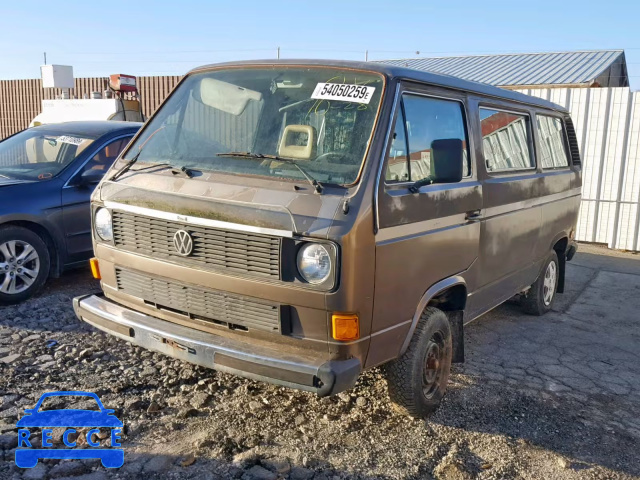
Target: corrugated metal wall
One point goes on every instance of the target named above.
(607, 122)
(21, 100)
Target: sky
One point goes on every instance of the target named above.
(169, 38)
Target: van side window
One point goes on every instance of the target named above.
(553, 152)
(505, 140)
(426, 120)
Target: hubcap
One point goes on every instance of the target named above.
(549, 283)
(432, 372)
(19, 266)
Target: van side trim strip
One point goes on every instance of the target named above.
(204, 222)
(388, 329)
(428, 295)
(419, 228)
(533, 202)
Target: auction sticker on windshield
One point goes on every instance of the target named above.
(343, 92)
(71, 140)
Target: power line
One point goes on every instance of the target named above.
(312, 49)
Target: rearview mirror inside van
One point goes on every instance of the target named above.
(225, 96)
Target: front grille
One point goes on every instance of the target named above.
(213, 248)
(217, 307)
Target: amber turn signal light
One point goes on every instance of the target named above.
(95, 268)
(346, 326)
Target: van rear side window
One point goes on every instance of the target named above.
(425, 120)
(505, 140)
(553, 150)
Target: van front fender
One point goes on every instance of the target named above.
(431, 293)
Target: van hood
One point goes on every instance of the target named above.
(258, 202)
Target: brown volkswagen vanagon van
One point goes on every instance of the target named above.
(299, 222)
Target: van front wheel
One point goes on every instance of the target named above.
(418, 379)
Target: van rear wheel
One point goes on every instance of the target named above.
(417, 381)
(540, 297)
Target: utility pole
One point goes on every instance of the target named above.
(366, 55)
(45, 58)
(278, 54)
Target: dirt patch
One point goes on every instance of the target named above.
(554, 397)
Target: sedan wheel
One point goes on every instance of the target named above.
(24, 264)
(20, 265)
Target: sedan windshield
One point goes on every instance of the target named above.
(285, 122)
(36, 154)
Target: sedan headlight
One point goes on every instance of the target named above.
(314, 263)
(102, 224)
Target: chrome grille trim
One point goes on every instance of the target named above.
(213, 305)
(213, 248)
(205, 222)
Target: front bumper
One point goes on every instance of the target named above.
(314, 374)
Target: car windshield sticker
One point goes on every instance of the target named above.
(70, 139)
(343, 92)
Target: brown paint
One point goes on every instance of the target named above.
(393, 245)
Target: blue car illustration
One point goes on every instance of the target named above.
(68, 418)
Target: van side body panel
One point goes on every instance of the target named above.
(422, 238)
(524, 213)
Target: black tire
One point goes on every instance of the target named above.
(22, 236)
(413, 388)
(536, 301)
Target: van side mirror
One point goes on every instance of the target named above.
(447, 157)
(90, 177)
(446, 160)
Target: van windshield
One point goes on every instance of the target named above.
(233, 120)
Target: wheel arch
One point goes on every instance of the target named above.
(450, 296)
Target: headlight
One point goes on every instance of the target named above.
(102, 224)
(314, 263)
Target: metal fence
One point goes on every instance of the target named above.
(607, 122)
(21, 100)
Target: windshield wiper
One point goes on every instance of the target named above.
(125, 167)
(260, 156)
(133, 159)
(176, 170)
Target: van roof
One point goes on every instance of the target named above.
(393, 71)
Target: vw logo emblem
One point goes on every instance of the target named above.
(183, 243)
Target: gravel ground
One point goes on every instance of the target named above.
(553, 397)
